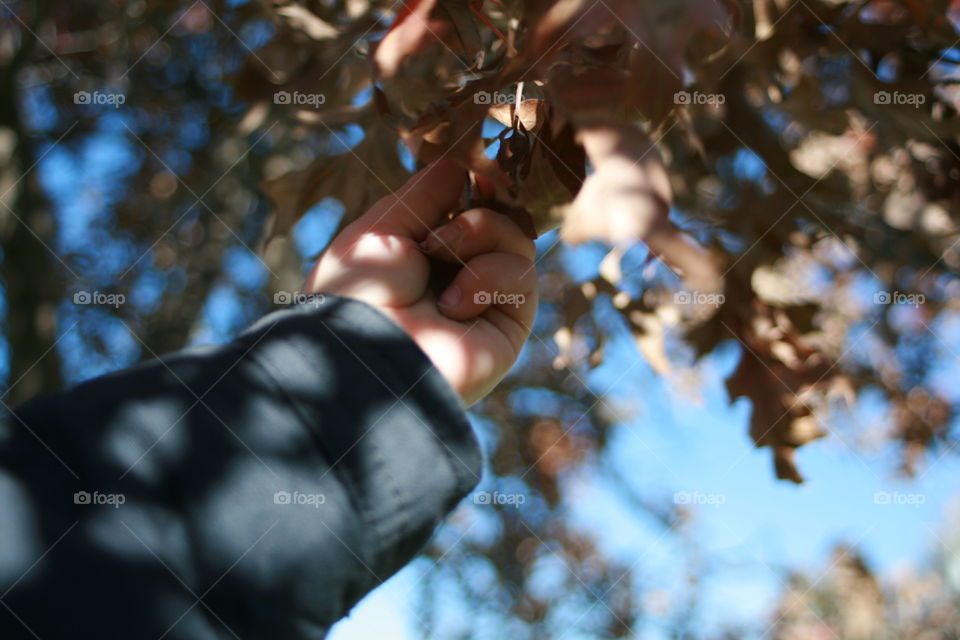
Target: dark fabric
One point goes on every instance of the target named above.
(256, 490)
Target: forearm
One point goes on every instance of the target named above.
(277, 478)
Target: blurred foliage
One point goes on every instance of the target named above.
(781, 174)
(846, 600)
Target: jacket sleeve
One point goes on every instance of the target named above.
(255, 490)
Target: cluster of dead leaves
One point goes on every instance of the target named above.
(584, 93)
(574, 83)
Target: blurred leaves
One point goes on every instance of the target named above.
(780, 175)
(848, 599)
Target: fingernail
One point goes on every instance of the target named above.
(450, 297)
(429, 243)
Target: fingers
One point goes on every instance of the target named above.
(380, 269)
(420, 204)
(500, 286)
(499, 279)
(476, 232)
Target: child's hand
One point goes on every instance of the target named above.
(474, 332)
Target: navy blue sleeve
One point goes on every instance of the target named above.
(255, 490)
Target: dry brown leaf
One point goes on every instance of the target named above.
(468, 41)
(357, 179)
(784, 385)
(305, 20)
(411, 32)
(627, 200)
(530, 113)
(627, 195)
(650, 337)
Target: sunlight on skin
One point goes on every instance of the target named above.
(474, 331)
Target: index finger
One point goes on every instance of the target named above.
(416, 207)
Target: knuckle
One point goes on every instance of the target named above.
(483, 221)
(478, 220)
